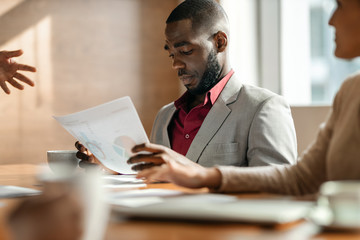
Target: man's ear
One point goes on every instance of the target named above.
(221, 41)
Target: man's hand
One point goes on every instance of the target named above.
(88, 160)
(164, 164)
(9, 71)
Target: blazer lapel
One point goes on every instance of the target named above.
(165, 135)
(214, 119)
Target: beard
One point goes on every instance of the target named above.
(210, 77)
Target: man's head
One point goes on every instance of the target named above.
(196, 39)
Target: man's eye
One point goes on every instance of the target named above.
(187, 52)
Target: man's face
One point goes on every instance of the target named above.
(193, 56)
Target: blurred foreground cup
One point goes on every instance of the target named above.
(342, 199)
(85, 196)
(63, 162)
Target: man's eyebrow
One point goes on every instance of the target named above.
(180, 44)
(176, 45)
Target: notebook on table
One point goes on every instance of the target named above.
(218, 207)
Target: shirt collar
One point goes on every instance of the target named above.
(212, 95)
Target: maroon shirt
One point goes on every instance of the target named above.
(185, 125)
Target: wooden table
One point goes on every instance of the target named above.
(126, 229)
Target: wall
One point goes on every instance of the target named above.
(87, 52)
(307, 121)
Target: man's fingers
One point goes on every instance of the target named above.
(10, 54)
(148, 147)
(84, 156)
(24, 67)
(15, 84)
(153, 174)
(145, 158)
(143, 166)
(86, 164)
(147, 173)
(80, 147)
(4, 87)
(24, 79)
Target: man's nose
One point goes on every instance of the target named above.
(178, 64)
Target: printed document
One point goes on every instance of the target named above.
(109, 131)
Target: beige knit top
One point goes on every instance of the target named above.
(334, 155)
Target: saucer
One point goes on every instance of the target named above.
(323, 217)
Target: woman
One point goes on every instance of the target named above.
(334, 155)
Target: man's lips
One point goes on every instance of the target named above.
(186, 79)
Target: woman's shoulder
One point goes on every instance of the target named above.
(352, 80)
(349, 93)
(351, 85)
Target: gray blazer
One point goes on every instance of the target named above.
(247, 126)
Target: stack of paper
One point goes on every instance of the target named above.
(123, 181)
(15, 191)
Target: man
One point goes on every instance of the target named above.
(218, 120)
(9, 71)
(332, 156)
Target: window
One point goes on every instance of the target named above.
(287, 47)
(327, 72)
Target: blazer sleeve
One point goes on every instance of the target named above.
(272, 137)
(303, 178)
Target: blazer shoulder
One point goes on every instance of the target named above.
(163, 114)
(160, 121)
(257, 95)
(167, 108)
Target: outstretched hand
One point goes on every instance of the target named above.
(9, 71)
(164, 164)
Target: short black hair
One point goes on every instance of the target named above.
(202, 13)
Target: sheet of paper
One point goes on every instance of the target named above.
(124, 186)
(150, 192)
(136, 202)
(122, 179)
(122, 182)
(109, 131)
(144, 197)
(138, 198)
(15, 191)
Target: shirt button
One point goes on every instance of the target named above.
(187, 136)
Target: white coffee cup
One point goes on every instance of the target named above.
(62, 161)
(342, 198)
